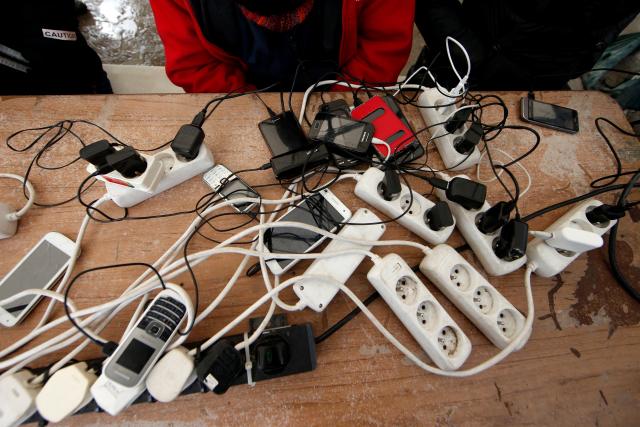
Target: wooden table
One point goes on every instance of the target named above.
(580, 366)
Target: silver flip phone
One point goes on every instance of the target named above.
(144, 344)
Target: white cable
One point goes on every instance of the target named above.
(30, 190)
(507, 155)
(379, 141)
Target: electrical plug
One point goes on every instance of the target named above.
(512, 242)
(495, 217)
(390, 188)
(466, 143)
(219, 367)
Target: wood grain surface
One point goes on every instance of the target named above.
(580, 367)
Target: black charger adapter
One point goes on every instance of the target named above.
(466, 143)
(390, 188)
(128, 162)
(458, 120)
(495, 217)
(439, 216)
(96, 153)
(187, 141)
(512, 242)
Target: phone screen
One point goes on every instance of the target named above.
(136, 356)
(34, 272)
(553, 115)
(316, 211)
(236, 189)
(341, 131)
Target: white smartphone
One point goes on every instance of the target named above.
(39, 269)
(323, 210)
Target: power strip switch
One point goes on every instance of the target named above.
(423, 316)
(491, 312)
(551, 259)
(437, 110)
(411, 214)
(318, 295)
(164, 170)
(483, 245)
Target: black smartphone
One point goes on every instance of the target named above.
(343, 132)
(549, 115)
(283, 134)
(342, 160)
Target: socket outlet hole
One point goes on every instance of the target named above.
(442, 107)
(407, 289)
(507, 323)
(427, 315)
(448, 340)
(414, 209)
(483, 299)
(460, 277)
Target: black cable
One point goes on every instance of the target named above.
(610, 179)
(612, 249)
(340, 323)
(102, 344)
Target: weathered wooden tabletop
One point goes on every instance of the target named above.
(580, 367)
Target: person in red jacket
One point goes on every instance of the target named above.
(225, 45)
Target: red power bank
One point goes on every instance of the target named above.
(387, 125)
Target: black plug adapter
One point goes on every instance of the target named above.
(458, 120)
(128, 162)
(512, 242)
(219, 367)
(604, 213)
(469, 194)
(495, 217)
(439, 216)
(466, 143)
(187, 141)
(389, 188)
(96, 153)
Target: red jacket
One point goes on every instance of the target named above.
(375, 44)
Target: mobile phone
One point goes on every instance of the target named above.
(549, 115)
(342, 132)
(339, 107)
(387, 126)
(323, 210)
(231, 187)
(283, 134)
(39, 269)
(144, 344)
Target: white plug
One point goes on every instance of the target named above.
(571, 239)
(65, 392)
(18, 398)
(316, 294)
(172, 374)
(112, 397)
(564, 240)
(418, 310)
(164, 171)
(8, 217)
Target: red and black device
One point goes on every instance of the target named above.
(387, 126)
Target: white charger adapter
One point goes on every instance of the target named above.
(172, 374)
(65, 392)
(112, 397)
(18, 398)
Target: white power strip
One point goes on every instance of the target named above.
(481, 244)
(445, 141)
(550, 261)
(164, 171)
(423, 316)
(496, 317)
(414, 220)
(317, 296)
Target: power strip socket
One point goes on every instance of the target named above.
(317, 296)
(431, 326)
(550, 261)
(367, 189)
(164, 171)
(481, 243)
(491, 312)
(435, 117)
